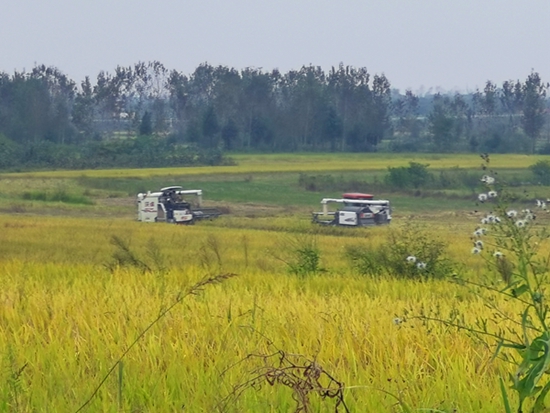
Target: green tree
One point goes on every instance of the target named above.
(534, 99)
(210, 128)
(349, 91)
(146, 125)
(256, 104)
(440, 124)
(332, 128)
(230, 132)
(380, 110)
(83, 113)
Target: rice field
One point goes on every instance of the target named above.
(71, 307)
(265, 163)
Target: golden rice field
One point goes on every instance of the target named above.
(67, 314)
(264, 163)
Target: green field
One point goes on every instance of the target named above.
(83, 283)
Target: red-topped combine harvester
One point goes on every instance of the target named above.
(358, 210)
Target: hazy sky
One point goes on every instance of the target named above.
(455, 45)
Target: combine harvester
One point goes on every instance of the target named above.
(358, 210)
(168, 205)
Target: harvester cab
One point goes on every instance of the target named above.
(357, 210)
(168, 205)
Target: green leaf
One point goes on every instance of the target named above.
(505, 400)
(533, 367)
(539, 406)
(522, 289)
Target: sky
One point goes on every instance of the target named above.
(422, 45)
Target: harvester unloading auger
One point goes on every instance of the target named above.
(168, 205)
(358, 210)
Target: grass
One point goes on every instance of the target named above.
(67, 313)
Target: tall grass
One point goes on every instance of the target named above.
(57, 196)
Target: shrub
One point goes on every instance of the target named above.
(406, 253)
(541, 171)
(415, 175)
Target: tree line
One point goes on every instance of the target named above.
(145, 114)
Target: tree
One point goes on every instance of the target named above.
(84, 110)
(178, 98)
(210, 128)
(256, 105)
(441, 123)
(230, 132)
(379, 117)
(332, 128)
(534, 94)
(146, 124)
(349, 90)
(408, 126)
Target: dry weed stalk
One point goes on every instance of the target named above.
(303, 376)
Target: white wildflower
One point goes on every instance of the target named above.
(421, 265)
(479, 232)
(411, 259)
(485, 221)
(479, 244)
(498, 254)
(492, 194)
(482, 197)
(539, 203)
(521, 223)
(476, 250)
(489, 180)
(397, 321)
(497, 220)
(512, 213)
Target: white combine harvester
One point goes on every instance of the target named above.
(358, 210)
(168, 205)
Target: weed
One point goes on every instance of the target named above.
(245, 245)
(14, 388)
(210, 252)
(301, 255)
(123, 256)
(509, 241)
(305, 377)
